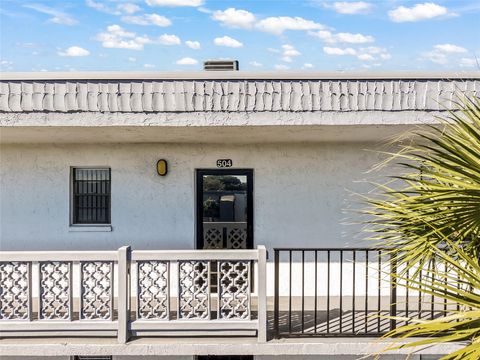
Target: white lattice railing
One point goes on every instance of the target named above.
(133, 293)
(230, 235)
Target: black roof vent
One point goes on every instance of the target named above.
(220, 65)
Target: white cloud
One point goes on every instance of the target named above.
(255, 64)
(324, 35)
(101, 7)
(469, 62)
(132, 59)
(193, 44)
(347, 7)
(234, 18)
(167, 39)
(6, 64)
(227, 41)
(281, 67)
(288, 52)
(148, 66)
(349, 38)
(123, 8)
(436, 57)
(74, 51)
(116, 37)
(173, 3)
(204, 10)
(117, 30)
(442, 53)
(187, 61)
(277, 25)
(338, 51)
(354, 38)
(449, 48)
(58, 17)
(26, 45)
(369, 53)
(418, 12)
(369, 66)
(128, 8)
(308, 66)
(365, 57)
(147, 19)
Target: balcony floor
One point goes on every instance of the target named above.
(308, 345)
(204, 346)
(336, 324)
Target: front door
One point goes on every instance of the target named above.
(224, 209)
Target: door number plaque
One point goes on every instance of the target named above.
(224, 163)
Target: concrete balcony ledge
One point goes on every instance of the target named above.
(209, 346)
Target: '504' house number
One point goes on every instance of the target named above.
(224, 163)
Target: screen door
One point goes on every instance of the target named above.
(224, 209)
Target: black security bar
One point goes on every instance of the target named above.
(338, 292)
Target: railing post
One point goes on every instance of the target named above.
(262, 293)
(393, 290)
(276, 301)
(123, 294)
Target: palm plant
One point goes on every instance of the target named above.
(439, 192)
(432, 211)
(454, 282)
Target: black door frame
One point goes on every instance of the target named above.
(199, 173)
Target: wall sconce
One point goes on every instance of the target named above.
(162, 167)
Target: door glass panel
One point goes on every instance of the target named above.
(225, 211)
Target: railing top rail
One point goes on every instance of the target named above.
(224, 222)
(332, 249)
(111, 255)
(139, 255)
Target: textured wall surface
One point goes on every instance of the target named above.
(300, 193)
(231, 95)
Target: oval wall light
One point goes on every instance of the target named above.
(162, 167)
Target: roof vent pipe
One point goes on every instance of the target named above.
(220, 65)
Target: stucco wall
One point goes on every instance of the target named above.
(300, 192)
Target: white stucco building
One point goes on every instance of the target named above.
(174, 163)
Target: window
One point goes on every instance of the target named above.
(90, 196)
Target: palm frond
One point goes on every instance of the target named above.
(457, 282)
(438, 193)
(428, 217)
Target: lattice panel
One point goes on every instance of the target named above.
(234, 290)
(55, 290)
(213, 238)
(194, 290)
(14, 291)
(97, 290)
(237, 238)
(153, 293)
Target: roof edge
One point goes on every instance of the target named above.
(236, 75)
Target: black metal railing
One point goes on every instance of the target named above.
(343, 292)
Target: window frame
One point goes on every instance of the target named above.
(88, 226)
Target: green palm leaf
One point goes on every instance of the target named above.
(438, 194)
(429, 218)
(457, 281)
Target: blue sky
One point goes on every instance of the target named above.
(159, 35)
